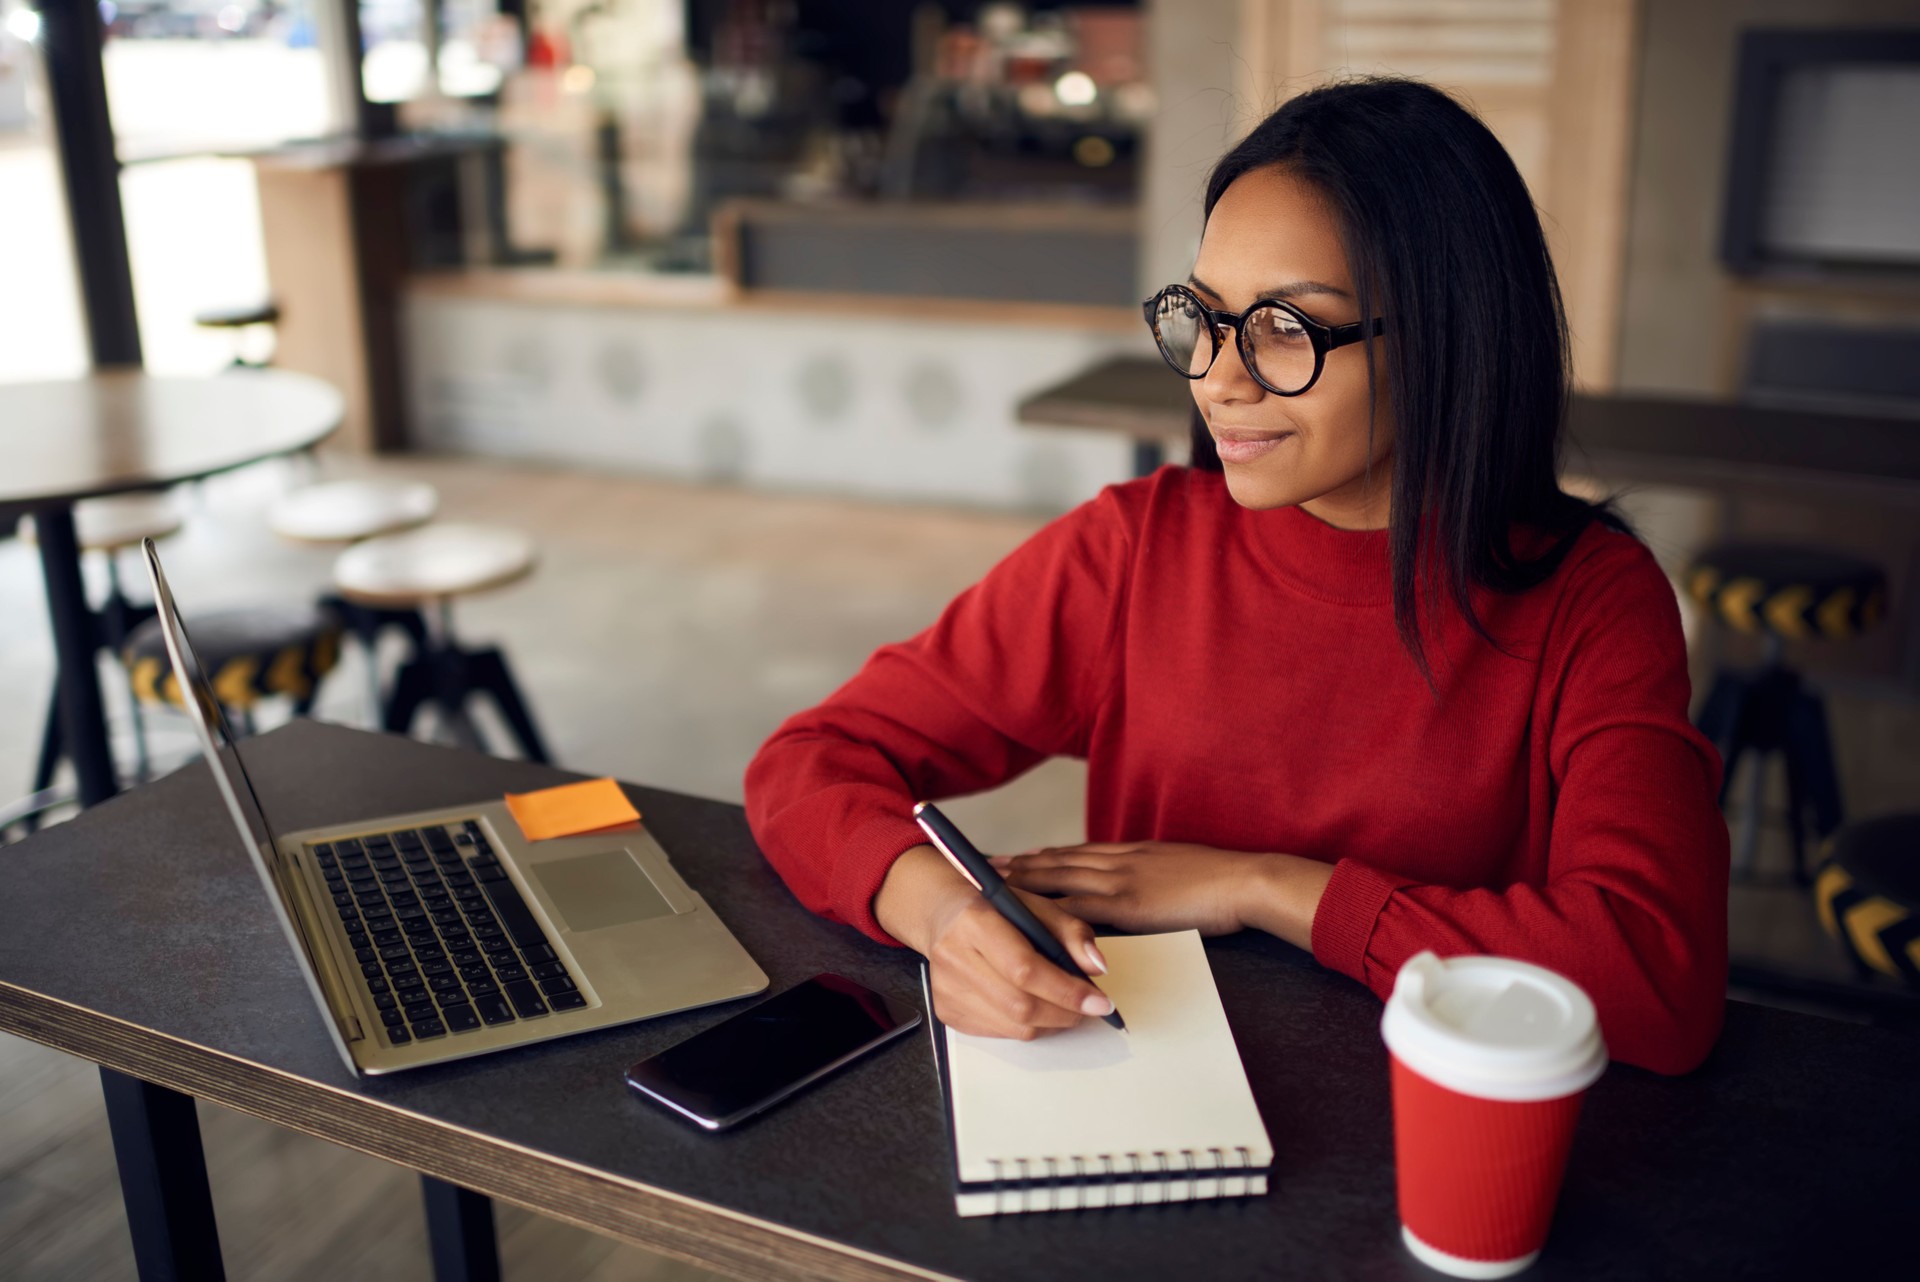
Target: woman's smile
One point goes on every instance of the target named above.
(1241, 445)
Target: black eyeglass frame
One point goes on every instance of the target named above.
(1325, 338)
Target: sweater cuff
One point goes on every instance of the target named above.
(1349, 907)
(865, 859)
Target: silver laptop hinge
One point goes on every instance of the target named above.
(308, 920)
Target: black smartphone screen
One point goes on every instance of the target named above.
(769, 1051)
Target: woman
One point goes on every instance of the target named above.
(1362, 676)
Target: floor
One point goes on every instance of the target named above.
(702, 617)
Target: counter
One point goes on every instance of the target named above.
(697, 378)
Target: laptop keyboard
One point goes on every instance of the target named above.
(443, 939)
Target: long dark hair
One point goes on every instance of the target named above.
(1444, 243)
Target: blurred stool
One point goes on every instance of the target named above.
(249, 655)
(430, 567)
(241, 323)
(251, 326)
(107, 526)
(1783, 593)
(110, 524)
(1868, 894)
(347, 512)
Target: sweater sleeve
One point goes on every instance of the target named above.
(1634, 904)
(1011, 673)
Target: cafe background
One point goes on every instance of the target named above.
(733, 305)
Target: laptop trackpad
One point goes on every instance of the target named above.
(591, 892)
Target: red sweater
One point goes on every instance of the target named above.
(1233, 678)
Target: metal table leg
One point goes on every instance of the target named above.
(460, 1233)
(82, 714)
(163, 1179)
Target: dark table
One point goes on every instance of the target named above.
(120, 432)
(136, 936)
(1136, 396)
(1661, 440)
(1714, 444)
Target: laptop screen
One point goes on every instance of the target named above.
(243, 802)
(217, 737)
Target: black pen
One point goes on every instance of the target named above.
(974, 867)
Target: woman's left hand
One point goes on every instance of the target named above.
(1148, 885)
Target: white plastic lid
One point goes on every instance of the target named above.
(1493, 1027)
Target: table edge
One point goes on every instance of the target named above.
(655, 1219)
(1633, 468)
(15, 507)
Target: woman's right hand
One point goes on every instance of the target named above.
(986, 978)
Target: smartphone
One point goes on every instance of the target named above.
(771, 1050)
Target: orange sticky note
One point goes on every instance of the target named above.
(572, 809)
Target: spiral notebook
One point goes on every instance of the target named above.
(1094, 1117)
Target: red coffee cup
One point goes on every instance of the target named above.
(1491, 1057)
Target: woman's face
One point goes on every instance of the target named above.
(1272, 236)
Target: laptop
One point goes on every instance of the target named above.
(442, 934)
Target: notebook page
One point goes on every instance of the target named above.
(1172, 1083)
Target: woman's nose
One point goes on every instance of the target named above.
(1227, 380)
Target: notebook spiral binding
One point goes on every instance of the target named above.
(1039, 1184)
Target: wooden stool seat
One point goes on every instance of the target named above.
(348, 511)
(435, 562)
(109, 524)
(1868, 894)
(248, 655)
(1789, 590)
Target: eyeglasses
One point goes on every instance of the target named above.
(1281, 346)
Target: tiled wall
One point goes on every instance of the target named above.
(867, 406)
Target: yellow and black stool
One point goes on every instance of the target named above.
(1868, 893)
(250, 656)
(1781, 593)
